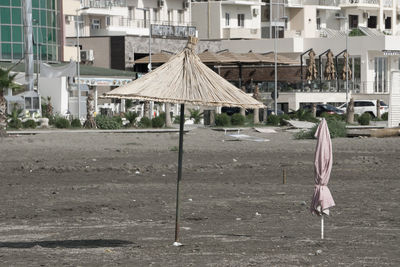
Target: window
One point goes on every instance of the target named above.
(108, 21)
(156, 13)
(240, 20)
(318, 23)
(181, 17)
(131, 12)
(372, 21)
(227, 19)
(381, 66)
(353, 21)
(170, 16)
(95, 24)
(388, 23)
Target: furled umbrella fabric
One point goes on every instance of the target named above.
(312, 72)
(330, 71)
(346, 69)
(322, 199)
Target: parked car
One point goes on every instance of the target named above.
(369, 106)
(321, 108)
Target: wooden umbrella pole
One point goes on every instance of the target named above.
(322, 226)
(181, 124)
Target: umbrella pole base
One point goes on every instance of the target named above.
(177, 244)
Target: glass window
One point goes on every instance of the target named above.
(5, 15)
(43, 52)
(95, 24)
(35, 101)
(43, 17)
(49, 6)
(43, 4)
(16, 16)
(43, 32)
(28, 102)
(353, 21)
(17, 34)
(17, 2)
(227, 18)
(35, 3)
(6, 51)
(6, 33)
(240, 20)
(4, 2)
(17, 51)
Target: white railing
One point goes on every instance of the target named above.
(360, 2)
(141, 23)
(388, 3)
(312, 2)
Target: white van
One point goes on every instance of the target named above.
(369, 106)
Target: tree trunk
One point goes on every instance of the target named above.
(3, 115)
(168, 122)
(243, 111)
(256, 116)
(314, 110)
(350, 112)
(90, 122)
(146, 109)
(212, 117)
(378, 109)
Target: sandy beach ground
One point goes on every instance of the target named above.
(109, 199)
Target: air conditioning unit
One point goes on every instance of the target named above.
(87, 55)
(161, 3)
(256, 11)
(338, 15)
(186, 5)
(365, 15)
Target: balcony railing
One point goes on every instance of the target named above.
(359, 2)
(103, 3)
(388, 3)
(141, 23)
(296, 3)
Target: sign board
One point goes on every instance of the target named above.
(391, 52)
(394, 100)
(169, 31)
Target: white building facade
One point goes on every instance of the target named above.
(227, 19)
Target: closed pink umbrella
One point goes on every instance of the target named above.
(322, 199)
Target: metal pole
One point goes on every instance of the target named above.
(347, 69)
(181, 124)
(28, 50)
(78, 65)
(270, 18)
(37, 56)
(149, 66)
(276, 71)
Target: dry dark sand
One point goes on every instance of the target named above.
(109, 199)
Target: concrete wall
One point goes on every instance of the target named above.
(207, 19)
(56, 88)
(101, 50)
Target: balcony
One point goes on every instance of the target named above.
(359, 4)
(131, 27)
(301, 3)
(240, 33)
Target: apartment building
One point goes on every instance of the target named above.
(227, 19)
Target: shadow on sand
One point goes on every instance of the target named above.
(95, 243)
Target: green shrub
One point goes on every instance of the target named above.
(157, 122)
(364, 119)
(385, 116)
(304, 115)
(282, 119)
(29, 124)
(76, 123)
(222, 119)
(15, 124)
(196, 115)
(145, 122)
(273, 120)
(337, 117)
(336, 129)
(110, 123)
(61, 122)
(237, 119)
(131, 117)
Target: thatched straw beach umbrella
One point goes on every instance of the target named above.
(330, 71)
(184, 79)
(312, 71)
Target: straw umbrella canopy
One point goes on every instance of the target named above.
(345, 71)
(312, 68)
(184, 79)
(322, 198)
(330, 71)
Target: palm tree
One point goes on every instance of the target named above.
(7, 81)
